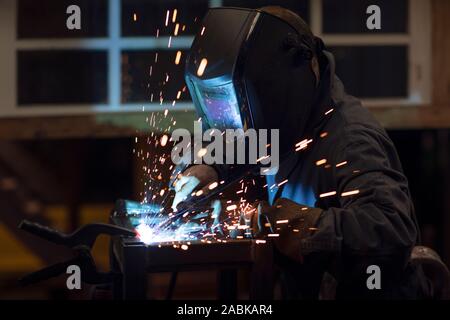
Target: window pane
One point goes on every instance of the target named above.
(373, 72)
(47, 18)
(349, 16)
(143, 78)
(301, 7)
(61, 77)
(145, 17)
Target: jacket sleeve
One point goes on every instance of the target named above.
(375, 217)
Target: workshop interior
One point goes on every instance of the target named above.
(91, 92)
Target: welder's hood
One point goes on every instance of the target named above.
(252, 69)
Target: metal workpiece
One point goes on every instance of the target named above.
(131, 260)
(136, 260)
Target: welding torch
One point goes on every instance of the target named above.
(193, 204)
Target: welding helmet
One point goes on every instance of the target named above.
(252, 69)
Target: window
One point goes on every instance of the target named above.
(42, 77)
(110, 64)
(387, 67)
(139, 86)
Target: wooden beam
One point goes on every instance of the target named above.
(105, 125)
(132, 124)
(423, 117)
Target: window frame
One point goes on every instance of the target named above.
(418, 40)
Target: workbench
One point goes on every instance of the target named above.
(134, 260)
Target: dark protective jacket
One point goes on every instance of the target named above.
(368, 216)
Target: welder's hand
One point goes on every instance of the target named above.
(287, 223)
(197, 177)
(216, 217)
(208, 221)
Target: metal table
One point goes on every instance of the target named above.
(134, 260)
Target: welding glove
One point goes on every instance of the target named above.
(194, 178)
(287, 223)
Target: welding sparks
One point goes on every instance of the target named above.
(174, 15)
(202, 67)
(273, 235)
(213, 185)
(177, 62)
(303, 144)
(171, 225)
(327, 194)
(349, 193)
(164, 140)
(167, 17)
(321, 162)
(329, 111)
(282, 182)
(340, 164)
(201, 152)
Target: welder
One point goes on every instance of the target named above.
(346, 198)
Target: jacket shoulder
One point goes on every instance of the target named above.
(350, 112)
